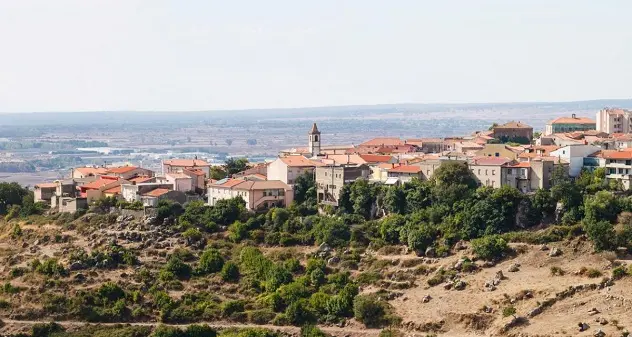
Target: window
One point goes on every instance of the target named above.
(493, 172)
(315, 138)
(497, 154)
(479, 171)
(510, 171)
(486, 172)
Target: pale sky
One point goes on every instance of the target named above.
(70, 55)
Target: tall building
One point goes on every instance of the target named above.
(314, 141)
(614, 120)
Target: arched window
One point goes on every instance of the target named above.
(315, 138)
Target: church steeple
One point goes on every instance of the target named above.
(314, 141)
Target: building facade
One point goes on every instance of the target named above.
(331, 178)
(512, 131)
(611, 120)
(572, 124)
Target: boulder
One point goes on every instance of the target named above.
(583, 326)
(459, 285)
(324, 248)
(76, 266)
(555, 252)
(430, 252)
(514, 268)
(426, 299)
(599, 333)
(333, 260)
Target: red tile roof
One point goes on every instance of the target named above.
(113, 190)
(614, 154)
(185, 162)
(299, 161)
(140, 179)
(91, 170)
(405, 169)
(521, 164)
(227, 183)
(513, 125)
(157, 192)
(375, 158)
(94, 185)
(383, 142)
(573, 120)
(196, 172)
(122, 169)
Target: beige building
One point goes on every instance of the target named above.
(331, 178)
(488, 170)
(178, 165)
(181, 182)
(529, 176)
(614, 120)
(512, 131)
(569, 124)
(499, 150)
(404, 173)
(129, 172)
(85, 172)
(44, 192)
(288, 168)
(258, 195)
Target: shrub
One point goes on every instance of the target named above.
(192, 234)
(619, 273)
(299, 313)
(491, 247)
(50, 267)
(196, 330)
(509, 311)
(230, 307)
(211, 261)
(167, 331)
(178, 268)
(312, 331)
(46, 329)
(369, 310)
(557, 271)
(263, 316)
(593, 273)
(230, 272)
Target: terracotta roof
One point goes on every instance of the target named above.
(99, 183)
(520, 164)
(385, 166)
(185, 162)
(91, 170)
(227, 183)
(299, 161)
(343, 159)
(196, 172)
(490, 161)
(257, 176)
(113, 190)
(573, 120)
(253, 185)
(46, 185)
(405, 169)
(383, 142)
(614, 154)
(140, 179)
(157, 192)
(122, 169)
(176, 175)
(375, 158)
(513, 125)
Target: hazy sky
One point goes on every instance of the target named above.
(65, 55)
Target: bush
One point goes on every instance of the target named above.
(211, 261)
(46, 329)
(593, 273)
(312, 331)
(230, 307)
(369, 310)
(299, 313)
(619, 273)
(491, 247)
(178, 268)
(230, 272)
(557, 271)
(263, 316)
(50, 267)
(196, 330)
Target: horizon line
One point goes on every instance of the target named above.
(321, 107)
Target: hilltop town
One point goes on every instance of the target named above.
(506, 231)
(511, 154)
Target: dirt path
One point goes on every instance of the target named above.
(336, 331)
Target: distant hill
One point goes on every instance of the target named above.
(481, 110)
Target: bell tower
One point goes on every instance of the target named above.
(314, 141)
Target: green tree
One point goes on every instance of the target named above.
(305, 189)
(211, 261)
(369, 310)
(362, 197)
(230, 272)
(312, 331)
(232, 165)
(491, 247)
(217, 173)
(601, 233)
(454, 172)
(11, 194)
(332, 231)
(603, 206)
(395, 200)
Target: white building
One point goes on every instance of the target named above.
(574, 156)
(288, 168)
(181, 182)
(614, 121)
